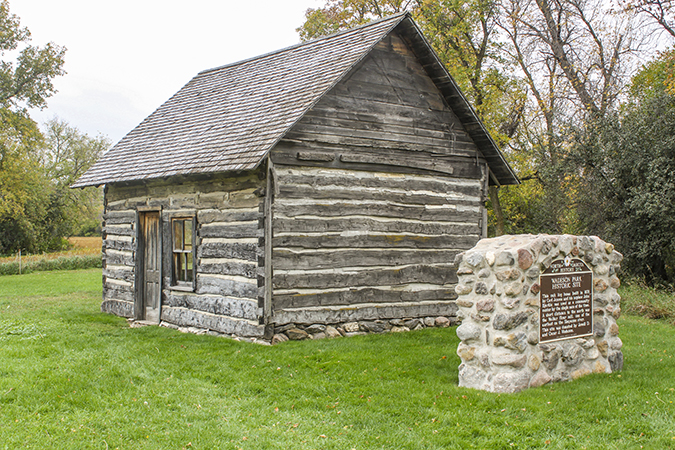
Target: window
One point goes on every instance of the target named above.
(183, 256)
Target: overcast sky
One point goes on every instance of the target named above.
(126, 57)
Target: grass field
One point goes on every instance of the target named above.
(74, 378)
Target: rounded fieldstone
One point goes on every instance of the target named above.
(490, 258)
(510, 382)
(509, 321)
(474, 259)
(600, 285)
(533, 363)
(462, 289)
(598, 329)
(572, 355)
(316, 328)
(468, 331)
(484, 273)
(616, 344)
(504, 258)
(472, 377)
(540, 379)
(351, 327)
(615, 361)
(442, 322)
(372, 327)
(486, 305)
(430, 321)
(481, 288)
(411, 323)
(295, 334)
(332, 332)
(614, 282)
(399, 329)
(463, 303)
(279, 338)
(525, 259)
(508, 359)
(513, 289)
(614, 330)
(465, 352)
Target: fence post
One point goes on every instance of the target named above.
(19, 261)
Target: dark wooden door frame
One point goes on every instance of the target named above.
(140, 292)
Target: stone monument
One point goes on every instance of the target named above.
(537, 309)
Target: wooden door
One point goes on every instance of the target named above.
(151, 287)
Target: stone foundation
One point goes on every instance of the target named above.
(296, 332)
(499, 304)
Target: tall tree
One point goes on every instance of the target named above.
(26, 74)
(628, 161)
(67, 154)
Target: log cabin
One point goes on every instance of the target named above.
(329, 182)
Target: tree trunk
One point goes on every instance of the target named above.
(497, 210)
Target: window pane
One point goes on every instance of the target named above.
(187, 243)
(176, 266)
(188, 267)
(178, 235)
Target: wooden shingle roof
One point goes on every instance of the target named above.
(228, 118)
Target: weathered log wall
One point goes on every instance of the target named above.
(228, 262)
(352, 246)
(378, 187)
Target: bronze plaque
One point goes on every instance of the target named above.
(566, 299)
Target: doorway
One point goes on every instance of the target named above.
(149, 292)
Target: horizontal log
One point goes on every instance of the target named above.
(339, 208)
(327, 259)
(113, 291)
(236, 230)
(362, 312)
(244, 269)
(227, 287)
(385, 142)
(184, 186)
(191, 318)
(338, 193)
(119, 231)
(444, 144)
(118, 307)
(428, 128)
(230, 250)
(119, 258)
(334, 224)
(350, 178)
(119, 217)
(114, 244)
(123, 273)
(228, 215)
(319, 241)
(218, 305)
(384, 111)
(377, 276)
(413, 94)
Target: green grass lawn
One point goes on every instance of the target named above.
(72, 377)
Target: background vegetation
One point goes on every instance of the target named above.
(37, 209)
(72, 377)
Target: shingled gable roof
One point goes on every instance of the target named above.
(228, 118)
